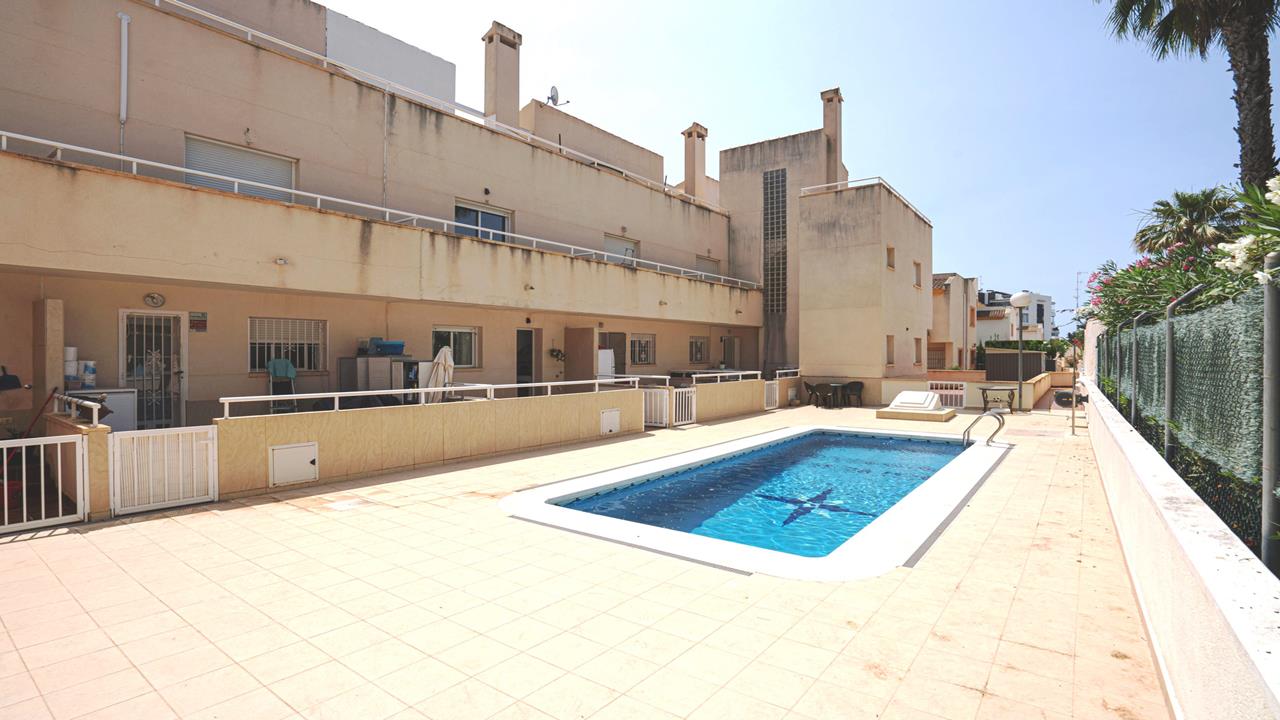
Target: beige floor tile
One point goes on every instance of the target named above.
(30, 709)
(209, 689)
(938, 697)
(285, 662)
(571, 696)
(367, 702)
(96, 694)
(520, 675)
(994, 707)
(567, 650)
(464, 701)
(476, 655)
(183, 666)
(420, 680)
(84, 668)
(825, 700)
(314, 686)
(771, 684)
(673, 691)
(729, 705)
(149, 706)
(258, 704)
(617, 670)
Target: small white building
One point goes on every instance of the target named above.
(998, 319)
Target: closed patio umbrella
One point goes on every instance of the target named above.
(441, 374)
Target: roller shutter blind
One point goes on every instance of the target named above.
(240, 163)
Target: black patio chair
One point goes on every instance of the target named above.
(852, 390)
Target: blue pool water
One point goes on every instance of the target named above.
(805, 496)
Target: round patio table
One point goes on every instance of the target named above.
(989, 390)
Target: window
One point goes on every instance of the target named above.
(492, 223)
(916, 267)
(642, 349)
(621, 246)
(775, 241)
(302, 342)
(918, 358)
(698, 349)
(890, 257)
(1040, 312)
(241, 163)
(707, 265)
(464, 341)
(888, 349)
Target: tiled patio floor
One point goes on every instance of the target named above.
(414, 596)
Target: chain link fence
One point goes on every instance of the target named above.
(1216, 411)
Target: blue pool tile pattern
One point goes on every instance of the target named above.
(805, 496)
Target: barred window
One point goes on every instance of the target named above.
(775, 241)
(302, 342)
(642, 349)
(698, 349)
(463, 341)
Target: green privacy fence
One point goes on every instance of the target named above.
(1216, 418)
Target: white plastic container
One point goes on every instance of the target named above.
(70, 370)
(88, 374)
(69, 354)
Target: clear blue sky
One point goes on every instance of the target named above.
(1027, 133)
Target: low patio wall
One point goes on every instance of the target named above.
(890, 387)
(97, 468)
(1061, 378)
(785, 385)
(353, 443)
(1032, 390)
(727, 399)
(1209, 604)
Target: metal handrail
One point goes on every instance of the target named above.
(391, 215)
(865, 182)
(997, 414)
(67, 401)
(740, 375)
(666, 379)
(467, 112)
(789, 373)
(420, 393)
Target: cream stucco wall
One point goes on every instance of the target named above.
(352, 443)
(87, 220)
(63, 60)
(849, 300)
(727, 399)
(558, 126)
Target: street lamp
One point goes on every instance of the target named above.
(1020, 301)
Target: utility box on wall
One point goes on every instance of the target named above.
(291, 464)
(610, 421)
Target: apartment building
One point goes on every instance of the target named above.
(998, 319)
(953, 337)
(198, 188)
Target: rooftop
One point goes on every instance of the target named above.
(412, 595)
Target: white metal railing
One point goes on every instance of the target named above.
(66, 402)
(726, 376)
(663, 379)
(42, 481)
(949, 392)
(770, 394)
(657, 406)
(458, 109)
(864, 182)
(684, 406)
(786, 373)
(130, 164)
(154, 469)
(420, 395)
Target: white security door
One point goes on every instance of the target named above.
(153, 352)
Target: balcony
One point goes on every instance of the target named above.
(86, 218)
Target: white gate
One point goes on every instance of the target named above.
(657, 406)
(43, 480)
(950, 393)
(770, 394)
(686, 406)
(153, 469)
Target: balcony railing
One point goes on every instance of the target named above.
(457, 109)
(864, 182)
(12, 142)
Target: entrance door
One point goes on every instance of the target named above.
(153, 360)
(732, 347)
(524, 359)
(617, 342)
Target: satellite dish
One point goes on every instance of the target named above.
(553, 99)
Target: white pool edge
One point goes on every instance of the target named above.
(889, 541)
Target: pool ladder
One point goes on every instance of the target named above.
(997, 414)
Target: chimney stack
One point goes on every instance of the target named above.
(502, 74)
(832, 101)
(695, 161)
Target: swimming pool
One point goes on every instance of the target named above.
(811, 502)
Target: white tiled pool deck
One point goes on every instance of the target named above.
(413, 596)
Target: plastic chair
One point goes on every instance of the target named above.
(280, 376)
(851, 390)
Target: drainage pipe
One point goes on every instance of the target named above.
(124, 74)
(1271, 416)
(1168, 364)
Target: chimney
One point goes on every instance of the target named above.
(695, 161)
(502, 74)
(832, 101)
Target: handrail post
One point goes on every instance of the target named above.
(1270, 421)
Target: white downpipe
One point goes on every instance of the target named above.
(124, 74)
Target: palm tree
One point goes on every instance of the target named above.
(1199, 219)
(1192, 27)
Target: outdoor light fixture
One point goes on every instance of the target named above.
(1021, 301)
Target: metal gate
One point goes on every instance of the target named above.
(153, 469)
(770, 394)
(152, 360)
(950, 393)
(686, 406)
(657, 406)
(43, 480)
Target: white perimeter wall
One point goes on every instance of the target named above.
(361, 46)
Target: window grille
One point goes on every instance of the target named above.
(302, 342)
(698, 349)
(775, 241)
(642, 349)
